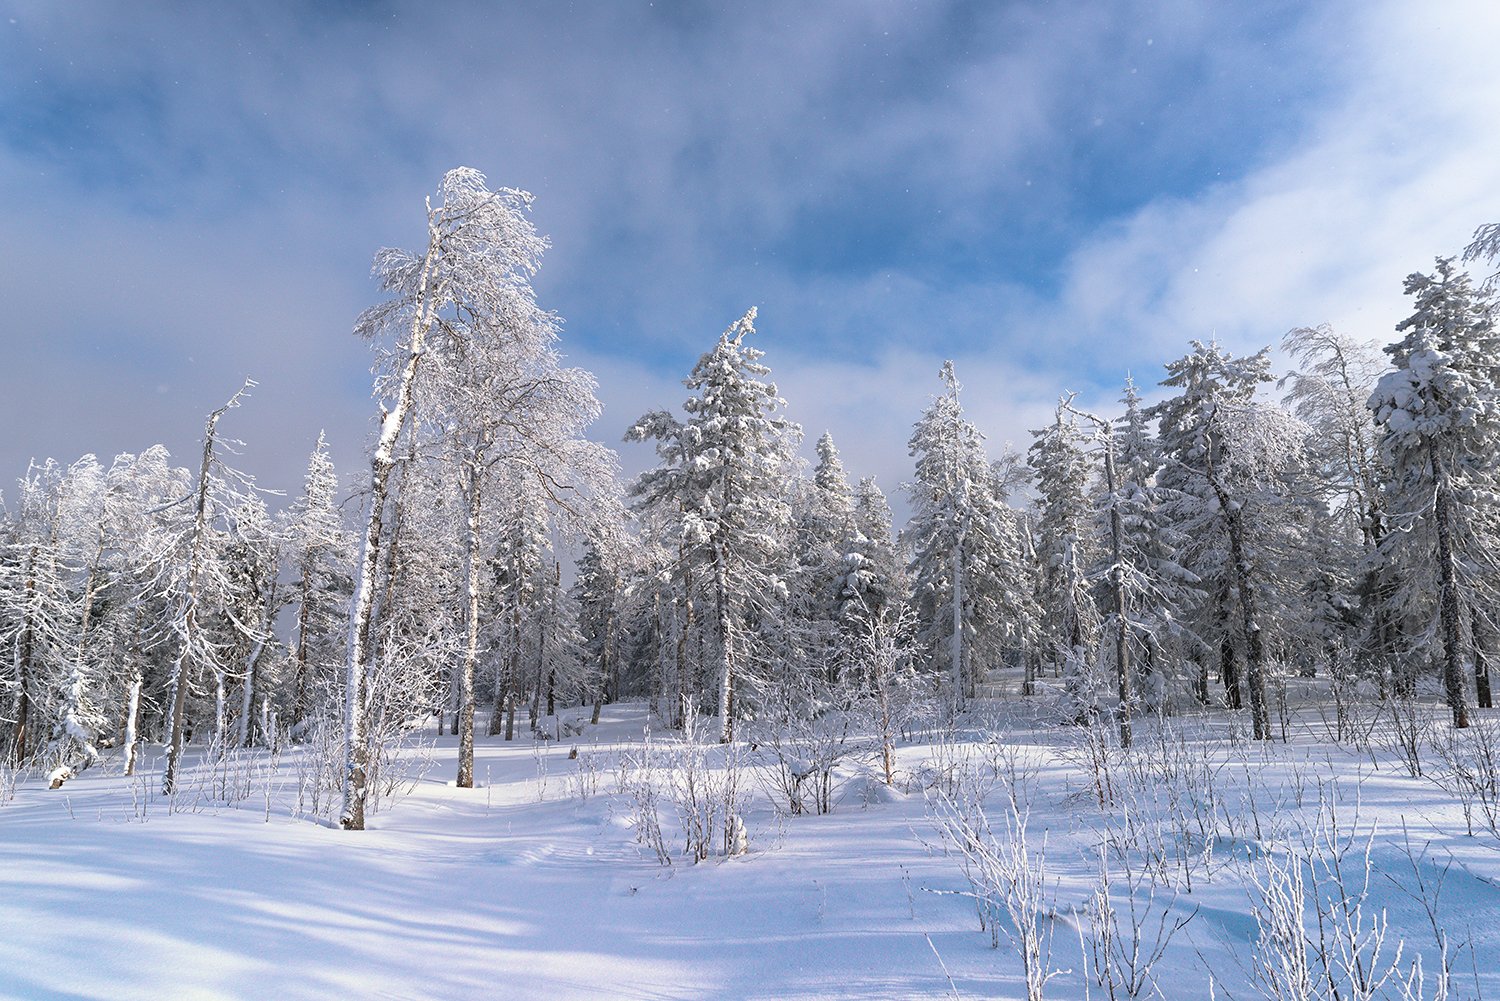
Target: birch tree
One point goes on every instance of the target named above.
(480, 253)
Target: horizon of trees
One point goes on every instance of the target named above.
(1338, 521)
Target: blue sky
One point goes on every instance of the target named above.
(1050, 193)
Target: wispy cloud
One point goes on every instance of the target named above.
(1052, 194)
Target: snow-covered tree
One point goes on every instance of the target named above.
(724, 472)
(1067, 550)
(1229, 459)
(962, 542)
(1158, 590)
(1439, 418)
(472, 347)
(37, 608)
(873, 575)
(191, 569)
(1330, 391)
(318, 548)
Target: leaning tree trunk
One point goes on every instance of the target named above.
(358, 667)
(187, 626)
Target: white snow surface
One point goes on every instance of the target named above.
(522, 889)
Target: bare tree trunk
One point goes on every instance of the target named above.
(187, 627)
(1448, 605)
(956, 640)
(685, 629)
(1229, 670)
(1117, 586)
(352, 815)
(473, 474)
(25, 653)
(246, 733)
(662, 687)
(505, 698)
(1260, 713)
(726, 649)
(606, 666)
(541, 657)
(1481, 634)
(504, 673)
(132, 717)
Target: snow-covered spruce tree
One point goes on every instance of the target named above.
(1067, 550)
(823, 533)
(464, 317)
(1228, 461)
(724, 473)
(873, 574)
(962, 541)
(318, 549)
(1439, 417)
(1157, 588)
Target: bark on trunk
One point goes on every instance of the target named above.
(352, 814)
(473, 487)
(956, 640)
(726, 649)
(132, 718)
(188, 626)
(1448, 606)
(246, 734)
(1255, 649)
(26, 651)
(1481, 634)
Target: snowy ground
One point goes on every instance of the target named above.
(524, 888)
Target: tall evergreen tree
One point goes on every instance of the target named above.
(961, 542)
(725, 471)
(1439, 418)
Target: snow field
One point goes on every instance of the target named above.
(535, 885)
